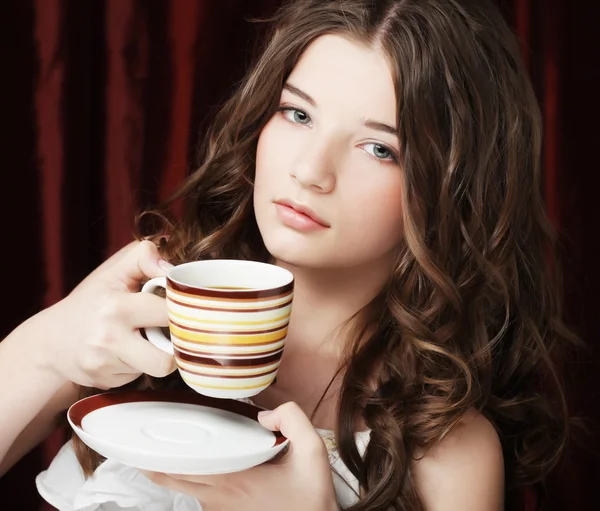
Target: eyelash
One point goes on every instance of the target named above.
(392, 158)
(285, 109)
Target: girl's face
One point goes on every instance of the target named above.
(328, 183)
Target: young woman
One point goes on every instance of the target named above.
(387, 153)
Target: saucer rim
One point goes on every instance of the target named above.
(83, 407)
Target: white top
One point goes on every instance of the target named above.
(115, 486)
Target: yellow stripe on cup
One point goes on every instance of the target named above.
(228, 322)
(225, 349)
(216, 338)
(223, 387)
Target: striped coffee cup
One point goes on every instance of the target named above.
(228, 321)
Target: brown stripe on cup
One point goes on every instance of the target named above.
(225, 309)
(230, 376)
(253, 345)
(212, 354)
(237, 294)
(229, 362)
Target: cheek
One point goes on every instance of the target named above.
(268, 157)
(374, 213)
(270, 173)
(261, 148)
(261, 176)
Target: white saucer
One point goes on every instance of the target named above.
(177, 432)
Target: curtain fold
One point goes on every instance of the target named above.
(105, 101)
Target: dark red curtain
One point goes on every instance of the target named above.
(103, 102)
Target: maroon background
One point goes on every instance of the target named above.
(102, 104)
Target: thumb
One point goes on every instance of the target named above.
(141, 262)
(293, 423)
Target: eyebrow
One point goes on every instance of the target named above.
(379, 126)
(297, 92)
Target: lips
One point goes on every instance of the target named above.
(304, 210)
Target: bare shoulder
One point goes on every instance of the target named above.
(464, 471)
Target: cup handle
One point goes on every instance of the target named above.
(155, 334)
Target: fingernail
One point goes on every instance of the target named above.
(264, 413)
(165, 265)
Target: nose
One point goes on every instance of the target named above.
(314, 167)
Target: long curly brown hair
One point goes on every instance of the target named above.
(471, 318)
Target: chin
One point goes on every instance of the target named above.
(297, 249)
(294, 255)
(312, 259)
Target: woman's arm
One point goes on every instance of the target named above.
(90, 338)
(41, 427)
(31, 392)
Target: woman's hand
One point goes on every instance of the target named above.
(299, 480)
(91, 337)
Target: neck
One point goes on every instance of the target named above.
(325, 299)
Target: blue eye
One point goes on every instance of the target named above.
(295, 115)
(381, 152)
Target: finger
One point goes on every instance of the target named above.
(116, 380)
(142, 356)
(293, 424)
(140, 263)
(206, 495)
(228, 479)
(207, 480)
(141, 310)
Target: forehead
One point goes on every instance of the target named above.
(336, 70)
